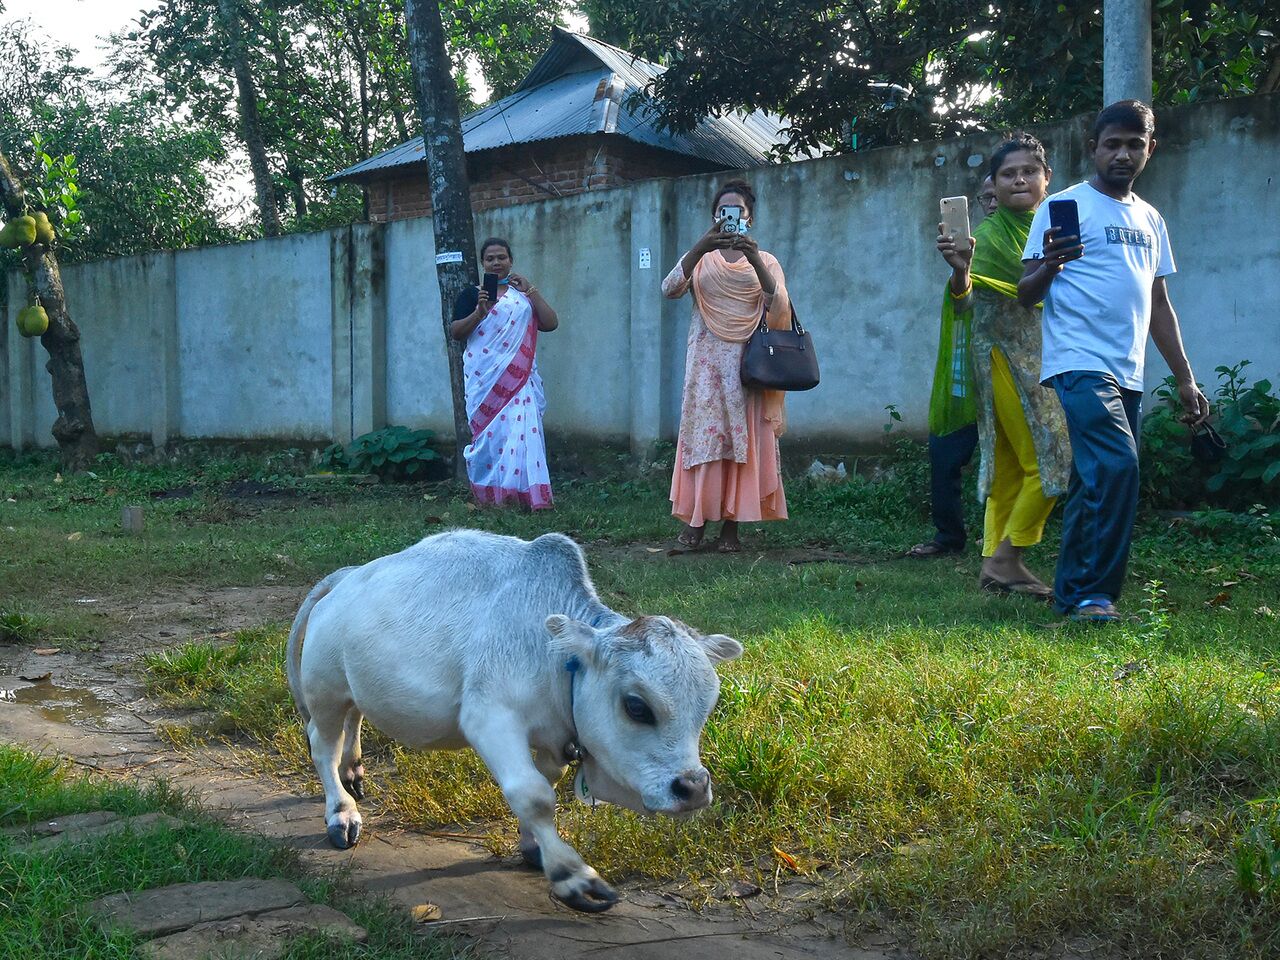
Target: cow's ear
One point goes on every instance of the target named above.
(572, 637)
(718, 647)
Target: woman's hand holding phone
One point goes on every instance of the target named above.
(958, 257)
(716, 238)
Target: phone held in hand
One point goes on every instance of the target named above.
(955, 220)
(1065, 216)
(491, 286)
(731, 214)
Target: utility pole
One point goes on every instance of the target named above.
(1126, 50)
(450, 193)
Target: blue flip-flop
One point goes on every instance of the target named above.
(1094, 611)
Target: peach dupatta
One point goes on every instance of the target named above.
(732, 301)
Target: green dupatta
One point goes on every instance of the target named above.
(997, 266)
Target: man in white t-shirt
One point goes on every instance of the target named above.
(1103, 292)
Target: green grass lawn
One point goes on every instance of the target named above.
(44, 896)
(967, 765)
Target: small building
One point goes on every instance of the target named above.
(571, 126)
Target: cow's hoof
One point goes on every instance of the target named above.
(532, 854)
(344, 831)
(586, 892)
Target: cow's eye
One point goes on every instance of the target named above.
(638, 710)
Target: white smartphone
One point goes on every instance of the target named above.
(731, 214)
(955, 219)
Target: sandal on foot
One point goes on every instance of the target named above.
(688, 541)
(1022, 588)
(1094, 611)
(932, 548)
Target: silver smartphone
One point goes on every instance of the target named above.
(734, 221)
(955, 219)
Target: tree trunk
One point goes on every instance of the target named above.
(250, 126)
(450, 193)
(77, 439)
(292, 171)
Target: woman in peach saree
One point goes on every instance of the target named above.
(727, 467)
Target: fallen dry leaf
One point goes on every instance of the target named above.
(1228, 584)
(653, 549)
(40, 679)
(1222, 598)
(46, 651)
(787, 858)
(426, 912)
(75, 536)
(1266, 612)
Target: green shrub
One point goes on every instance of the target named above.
(1249, 421)
(393, 453)
(1247, 417)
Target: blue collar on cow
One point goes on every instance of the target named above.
(573, 751)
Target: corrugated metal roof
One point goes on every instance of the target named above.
(582, 86)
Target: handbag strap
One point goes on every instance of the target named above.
(795, 321)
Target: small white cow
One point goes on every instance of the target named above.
(473, 639)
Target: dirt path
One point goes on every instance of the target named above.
(92, 710)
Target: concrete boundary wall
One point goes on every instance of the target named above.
(326, 336)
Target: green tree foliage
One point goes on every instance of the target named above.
(115, 173)
(506, 37)
(889, 71)
(332, 78)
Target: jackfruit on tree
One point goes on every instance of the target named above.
(19, 232)
(44, 229)
(32, 321)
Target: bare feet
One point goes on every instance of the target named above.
(728, 541)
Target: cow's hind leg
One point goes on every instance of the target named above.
(499, 737)
(325, 732)
(550, 766)
(352, 769)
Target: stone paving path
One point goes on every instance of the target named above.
(252, 919)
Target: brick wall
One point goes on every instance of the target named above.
(535, 171)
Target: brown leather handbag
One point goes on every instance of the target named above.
(780, 359)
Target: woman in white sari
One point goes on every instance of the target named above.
(507, 458)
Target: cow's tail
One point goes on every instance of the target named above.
(298, 633)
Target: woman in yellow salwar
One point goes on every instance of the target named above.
(1022, 436)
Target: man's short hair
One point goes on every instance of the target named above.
(1127, 115)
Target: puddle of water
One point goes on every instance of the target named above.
(63, 704)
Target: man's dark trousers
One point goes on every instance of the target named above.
(948, 455)
(1104, 422)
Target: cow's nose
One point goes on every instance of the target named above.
(692, 785)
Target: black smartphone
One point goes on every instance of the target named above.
(1065, 215)
(491, 286)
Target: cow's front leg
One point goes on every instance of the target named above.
(499, 737)
(551, 767)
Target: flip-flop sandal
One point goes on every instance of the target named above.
(1094, 613)
(931, 548)
(689, 543)
(1021, 588)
